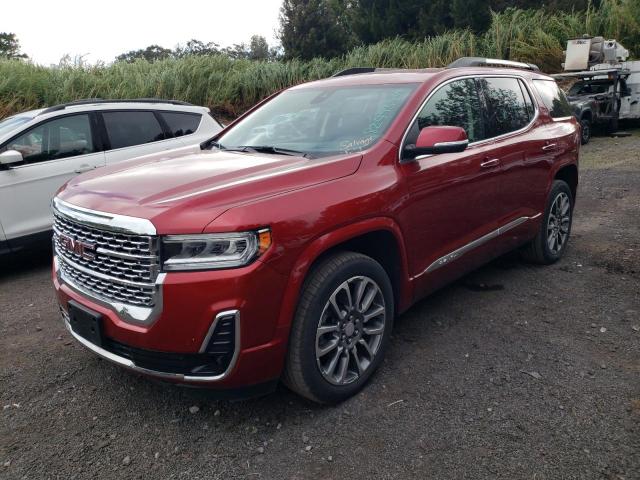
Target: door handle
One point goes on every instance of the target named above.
(85, 167)
(548, 148)
(490, 163)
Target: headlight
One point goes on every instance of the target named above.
(213, 251)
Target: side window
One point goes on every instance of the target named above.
(456, 104)
(126, 129)
(506, 104)
(553, 98)
(181, 124)
(60, 138)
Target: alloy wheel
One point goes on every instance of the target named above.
(350, 330)
(559, 223)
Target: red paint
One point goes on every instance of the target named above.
(429, 207)
(429, 136)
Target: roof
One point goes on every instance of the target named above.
(399, 76)
(375, 78)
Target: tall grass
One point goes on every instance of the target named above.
(230, 86)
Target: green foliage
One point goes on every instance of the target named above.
(151, 54)
(258, 49)
(229, 86)
(473, 14)
(314, 28)
(9, 46)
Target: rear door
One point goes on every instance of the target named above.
(451, 210)
(134, 133)
(518, 141)
(54, 151)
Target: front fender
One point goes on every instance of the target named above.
(330, 240)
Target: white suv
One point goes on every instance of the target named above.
(41, 149)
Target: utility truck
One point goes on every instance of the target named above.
(607, 84)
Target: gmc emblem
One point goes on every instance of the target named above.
(82, 249)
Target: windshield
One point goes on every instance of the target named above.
(9, 124)
(320, 121)
(589, 88)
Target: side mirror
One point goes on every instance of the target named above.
(438, 139)
(10, 157)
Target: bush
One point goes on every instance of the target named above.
(231, 86)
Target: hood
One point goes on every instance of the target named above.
(183, 190)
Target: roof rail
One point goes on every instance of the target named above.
(91, 101)
(491, 62)
(354, 71)
(360, 70)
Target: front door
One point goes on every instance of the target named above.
(451, 213)
(54, 152)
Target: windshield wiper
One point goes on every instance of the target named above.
(270, 149)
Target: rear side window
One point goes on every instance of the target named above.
(181, 123)
(507, 106)
(126, 129)
(456, 104)
(553, 98)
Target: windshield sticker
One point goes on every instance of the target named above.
(357, 144)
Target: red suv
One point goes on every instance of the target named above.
(284, 247)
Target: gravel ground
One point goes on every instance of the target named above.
(515, 372)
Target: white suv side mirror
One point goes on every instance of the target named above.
(10, 157)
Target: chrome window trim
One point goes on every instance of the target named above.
(485, 140)
(125, 362)
(450, 257)
(103, 220)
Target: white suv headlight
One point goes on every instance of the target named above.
(212, 251)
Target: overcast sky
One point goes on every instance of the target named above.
(103, 29)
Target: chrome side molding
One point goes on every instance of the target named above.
(450, 257)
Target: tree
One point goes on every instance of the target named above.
(10, 46)
(196, 47)
(237, 51)
(258, 48)
(375, 20)
(474, 14)
(151, 54)
(315, 28)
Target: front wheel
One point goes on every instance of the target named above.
(341, 329)
(551, 241)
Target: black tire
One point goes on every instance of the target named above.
(302, 372)
(538, 250)
(585, 131)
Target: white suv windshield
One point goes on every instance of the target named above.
(320, 121)
(9, 124)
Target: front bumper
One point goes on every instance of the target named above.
(193, 303)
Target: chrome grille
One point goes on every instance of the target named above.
(121, 267)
